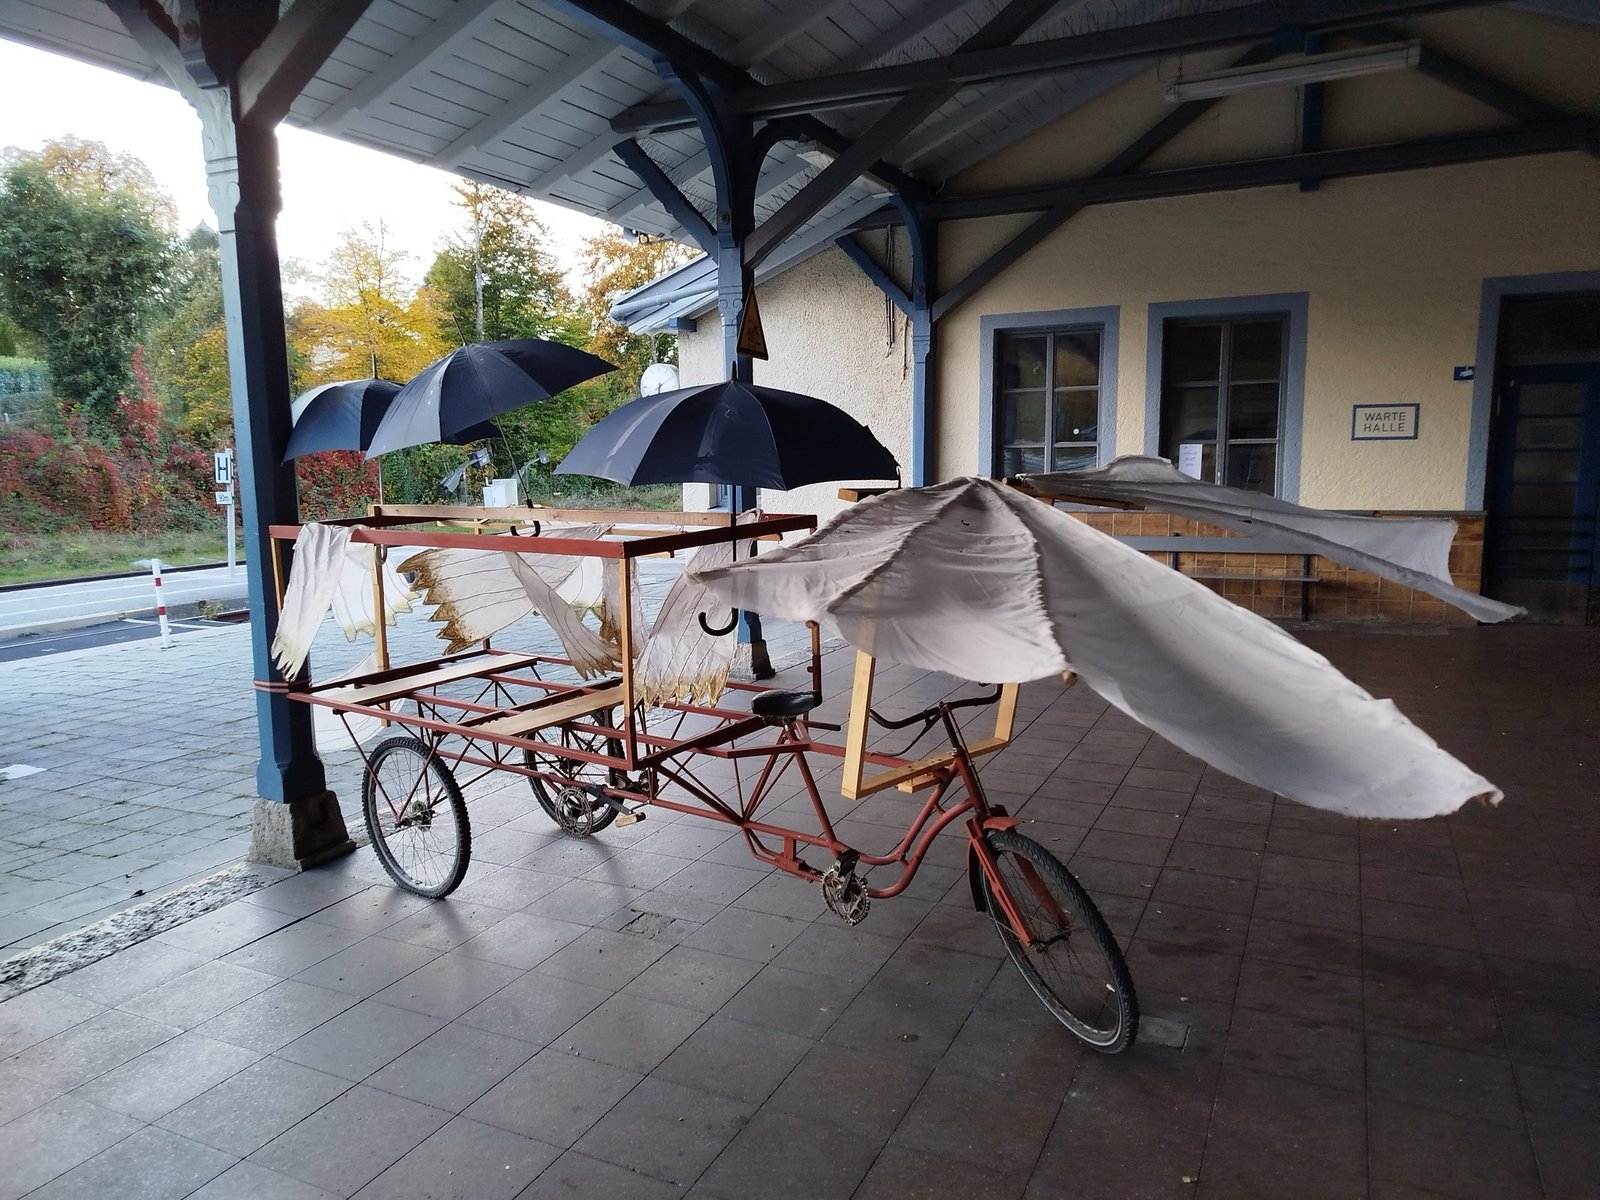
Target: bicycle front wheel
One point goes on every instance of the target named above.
(1072, 961)
(416, 817)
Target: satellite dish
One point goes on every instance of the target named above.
(658, 378)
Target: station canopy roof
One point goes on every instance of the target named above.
(536, 95)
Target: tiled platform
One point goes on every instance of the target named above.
(1371, 1010)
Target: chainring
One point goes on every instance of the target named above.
(846, 895)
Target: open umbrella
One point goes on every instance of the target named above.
(476, 382)
(977, 580)
(344, 416)
(339, 416)
(730, 432)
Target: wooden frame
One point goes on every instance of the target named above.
(912, 776)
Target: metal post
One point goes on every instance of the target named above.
(228, 515)
(161, 605)
(923, 235)
(730, 147)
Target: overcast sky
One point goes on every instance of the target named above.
(328, 185)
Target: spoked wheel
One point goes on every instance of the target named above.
(567, 803)
(416, 817)
(1073, 963)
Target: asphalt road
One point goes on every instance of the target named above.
(112, 633)
(60, 607)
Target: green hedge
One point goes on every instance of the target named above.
(23, 377)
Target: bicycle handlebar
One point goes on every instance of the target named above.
(929, 715)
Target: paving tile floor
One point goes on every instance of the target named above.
(1369, 1008)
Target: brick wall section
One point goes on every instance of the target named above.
(1341, 594)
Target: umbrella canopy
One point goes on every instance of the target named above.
(977, 580)
(472, 384)
(1414, 551)
(730, 432)
(339, 416)
(344, 416)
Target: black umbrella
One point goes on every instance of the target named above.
(730, 432)
(339, 416)
(472, 384)
(344, 416)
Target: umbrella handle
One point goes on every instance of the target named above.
(733, 623)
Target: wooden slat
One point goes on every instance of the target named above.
(393, 689)
(531, 720)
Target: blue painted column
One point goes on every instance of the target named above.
(297, 820)
(923, 234)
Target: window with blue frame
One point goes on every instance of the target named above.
(1047, 392)
(1222, 392)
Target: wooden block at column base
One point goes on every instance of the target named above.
(298, 834)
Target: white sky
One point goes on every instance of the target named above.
(328, 185)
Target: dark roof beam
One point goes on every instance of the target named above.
(1005, 27)
(290, 56)
(1468, 80)
(857, 253)
(1577, 134)
(965, 68)
(689, 218)
(1130, 157)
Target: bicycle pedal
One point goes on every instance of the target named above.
(630, 818)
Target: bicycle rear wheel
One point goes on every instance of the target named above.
(1073, 963)
(416, 817)
(568, 804)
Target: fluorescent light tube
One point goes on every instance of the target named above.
(1311, 68)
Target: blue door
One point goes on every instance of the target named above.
(1544, 492)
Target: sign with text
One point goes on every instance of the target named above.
(222, 468)
(222, 497)
(1383, 422)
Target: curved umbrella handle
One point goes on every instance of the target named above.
(733, 623)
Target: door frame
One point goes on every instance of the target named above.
(1495, 291)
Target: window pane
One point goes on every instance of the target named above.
(1191, 353)
(1550, 433)
(1022, 418)
(1022, 362)
(1189, 415)
(1018, 460)
(1077, 414)
(1253, 467)
(1253, 410)
(1074, 458)
(1550, 400)
(1078, 359)
(1542, 500)
(1257, 350)
(1549, 327)
(1549, 466)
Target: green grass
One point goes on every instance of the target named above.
(31, 558)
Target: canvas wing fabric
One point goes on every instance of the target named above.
(1413, 551)
(973, 579)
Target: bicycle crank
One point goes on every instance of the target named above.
(844, 892)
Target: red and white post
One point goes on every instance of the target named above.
(161, 605)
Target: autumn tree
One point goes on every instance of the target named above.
(189, 348)
(372, 319)
(523, 292)
(85, 244)
(615, 264)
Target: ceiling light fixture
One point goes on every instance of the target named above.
(1310, 68)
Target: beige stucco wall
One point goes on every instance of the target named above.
(1393, 266)
(827, 336)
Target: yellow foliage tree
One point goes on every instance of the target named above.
(372, 320)
(614, 265)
